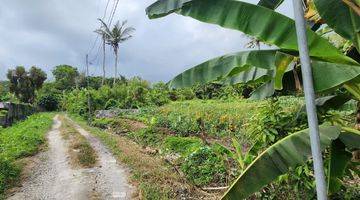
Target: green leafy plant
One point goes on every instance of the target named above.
(204, 166)
(292, 151)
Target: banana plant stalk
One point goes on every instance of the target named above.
(310, 100)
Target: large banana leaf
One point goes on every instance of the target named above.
(328, 75)
(271, 4)
(289, 152)
(265, 90)
(262, 66)
(262, 23)
(339, 159)
(341, 18)
(239, 67)
(323, 104)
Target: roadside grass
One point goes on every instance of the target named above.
(80, 151)
(19, 141)
(155, 178)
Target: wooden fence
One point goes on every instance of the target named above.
(11, 112)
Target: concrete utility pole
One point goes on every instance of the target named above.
(87, 86)
(310, 100)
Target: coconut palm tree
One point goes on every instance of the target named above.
(118, 34)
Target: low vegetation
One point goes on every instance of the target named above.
(80, 151)
(209, 148)
(19, 141)
(156, 180)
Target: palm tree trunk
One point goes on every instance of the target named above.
(103, 78)
(116, 63)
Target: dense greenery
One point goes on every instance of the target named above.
(270, 68)
(206, 122)
(21, 140)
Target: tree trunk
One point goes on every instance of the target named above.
(103, 78)
(116, 63)
(297, 81)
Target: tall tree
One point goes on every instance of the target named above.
(118, 34)
(65, 77)
(24, 84)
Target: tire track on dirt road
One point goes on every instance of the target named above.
(54, 179)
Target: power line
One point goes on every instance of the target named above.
(97, 36)
(114, 11)
(107, 5)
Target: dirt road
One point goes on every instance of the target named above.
(53, 178)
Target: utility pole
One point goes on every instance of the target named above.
(308, 83)
(87, 76)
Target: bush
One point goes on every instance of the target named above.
(182, 145)
(49, 102)
(204, 167)
(148, 137)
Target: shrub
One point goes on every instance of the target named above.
(182, 145)
(204, 167)
(148, 137)
(49, 102)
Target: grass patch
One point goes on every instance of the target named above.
(21, 140)
(80, 151)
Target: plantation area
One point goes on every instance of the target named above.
(273, 121)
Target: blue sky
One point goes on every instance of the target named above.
(47, 33)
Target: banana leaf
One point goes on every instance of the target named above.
(265, 90)
(242, 67)
(341, 18)
(289, 152)
(236, 68)
(339, 159)
(262, 23)
(326, 103)
(271, 4)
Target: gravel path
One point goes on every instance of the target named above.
(54, 179)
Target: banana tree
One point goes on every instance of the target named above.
(331, 69)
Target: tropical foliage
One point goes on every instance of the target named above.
(269, 67)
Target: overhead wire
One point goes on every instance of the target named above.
(97, 36)
(113, 12)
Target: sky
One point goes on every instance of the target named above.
(47, 33)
